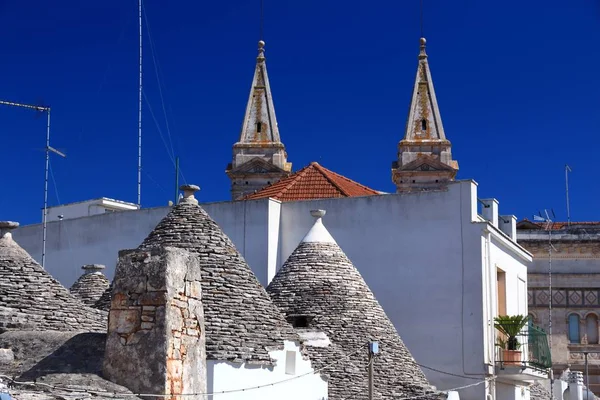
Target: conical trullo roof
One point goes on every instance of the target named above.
(31, 299)
(320, 289)
(90, 286)
(241, 322)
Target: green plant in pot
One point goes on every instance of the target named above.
(510, 326)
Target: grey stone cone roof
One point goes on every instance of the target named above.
(103, 303)
(31, 299)
(242, 323)
(539, 392)
(90, 287)
(318, 281)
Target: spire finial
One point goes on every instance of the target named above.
(422, 53)
(261, 50)
(188, 194)
(6, 227)
(318, 213)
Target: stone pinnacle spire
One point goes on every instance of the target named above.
(259, 157)
(424, 154)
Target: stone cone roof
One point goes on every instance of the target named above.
(90, 286)
(103, 303)
(31, 299)
(319, 283)
(242, 323)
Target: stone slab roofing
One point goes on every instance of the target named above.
(63, 365)
(312, 182)
(90, 286)
(242, 324)
(537, 391)
(34, 300)
(319, 288)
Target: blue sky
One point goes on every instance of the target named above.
(517, 84)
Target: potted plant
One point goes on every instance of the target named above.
(510, 326)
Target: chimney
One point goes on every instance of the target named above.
(575, 390)
(155, 342)
(490, 211)
(508, 225)
(6, 227)
(92, 269)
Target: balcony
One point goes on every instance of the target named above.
(532, 360)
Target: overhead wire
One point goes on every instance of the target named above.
(171, 156)
(313, 372)
(160, 82)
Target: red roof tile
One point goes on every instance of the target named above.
(312, 182)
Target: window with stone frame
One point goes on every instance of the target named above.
(591, 328)
(573, 324)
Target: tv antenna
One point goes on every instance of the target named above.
(549, 225)
(48, 149)
(567, 170)
(139, 171)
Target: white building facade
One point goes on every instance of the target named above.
(440, 270)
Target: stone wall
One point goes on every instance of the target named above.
(156, 340)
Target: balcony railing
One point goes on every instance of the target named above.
(532, 350)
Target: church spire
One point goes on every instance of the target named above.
(424, 154)
(259, 157)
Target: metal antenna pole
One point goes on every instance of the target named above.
(139, 180)
(550, 226)
(567, 170)
(176, 180)
(48, 149)
(45, 219)
(587, 377)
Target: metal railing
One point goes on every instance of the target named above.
(532, 350)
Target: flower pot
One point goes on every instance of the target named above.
(511, 357)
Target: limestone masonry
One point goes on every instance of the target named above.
(156, 341)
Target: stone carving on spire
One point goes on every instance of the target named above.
(259, 157)
(424, 154)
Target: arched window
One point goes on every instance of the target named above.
(574, 328)
(423, 124)
(591, 328)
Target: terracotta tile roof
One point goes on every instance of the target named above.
(528, 224)
(312, 182)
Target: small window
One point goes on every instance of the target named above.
(574, 328)
(299, 321)
(258, 127)
(423, 124)
(591, 327)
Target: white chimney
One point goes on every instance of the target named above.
(490, 211)
(508, 225)
(575, 390)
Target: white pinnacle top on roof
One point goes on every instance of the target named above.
(318, 233)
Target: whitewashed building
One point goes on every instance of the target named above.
(441, 262)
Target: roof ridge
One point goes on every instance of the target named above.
(328, 171)
(294, 180)
(324, 171)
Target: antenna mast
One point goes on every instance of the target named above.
(567, 170)
(139, 177)
(48, 150)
